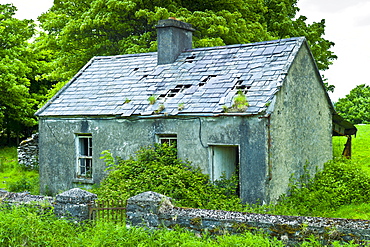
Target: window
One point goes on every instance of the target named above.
(169, 139)
(84, 156)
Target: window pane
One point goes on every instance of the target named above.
(84, 164)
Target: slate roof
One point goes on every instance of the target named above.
(202, 80)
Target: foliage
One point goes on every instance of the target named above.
(26, 227)
(156, 168)
(16, 178)
(341, 182)
(355, 107)
(21, 67)
(77, 30)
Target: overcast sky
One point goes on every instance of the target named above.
(347, 24)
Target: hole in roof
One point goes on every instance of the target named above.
(172, 92)
(239, 86)
(190, 59)
(208, 78)
(136, 69)
(144, 76)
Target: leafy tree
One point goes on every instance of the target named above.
(80, 29)
(22, 66)
(355, 107)
(16, 103)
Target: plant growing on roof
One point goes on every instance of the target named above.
(240, 103)
(181, 106)
(152, 99)
(161, 107)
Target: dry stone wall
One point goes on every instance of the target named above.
(28, 152)
(152, 210)
(13, 198)
(72, 204)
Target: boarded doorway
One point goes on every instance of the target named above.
(224, 160)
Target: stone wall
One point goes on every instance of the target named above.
(24, 198)
(150, 209)
(72, 204)
(28, 152)
(300, 127)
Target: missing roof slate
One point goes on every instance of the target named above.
(143, 77)
(172, 92)
(205, 80)
(239, 86)
(190, 59)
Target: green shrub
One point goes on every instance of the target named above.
(341, 182)
(30, 184)
(156, 168)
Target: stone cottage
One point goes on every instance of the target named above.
(188, 97)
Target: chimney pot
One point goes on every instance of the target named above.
(174, 37)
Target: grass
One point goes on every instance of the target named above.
(361, 159)
(360, 146)
(14, 177)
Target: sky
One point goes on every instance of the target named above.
(347, 25)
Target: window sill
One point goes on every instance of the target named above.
(83, 180)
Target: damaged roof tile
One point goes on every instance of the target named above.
(202, 79)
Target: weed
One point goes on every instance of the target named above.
(152, 99)
(181, 106)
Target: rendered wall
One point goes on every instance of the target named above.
(301, 125)
(125, 136)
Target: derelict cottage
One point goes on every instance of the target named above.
(188, 96)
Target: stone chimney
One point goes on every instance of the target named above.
(173, 38)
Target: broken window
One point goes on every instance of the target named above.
(170, 139)
(84, 156)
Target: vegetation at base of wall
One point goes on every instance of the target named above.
(24, 226)
(341, 190)
(340, 183)
(156, 168)
(15, 177)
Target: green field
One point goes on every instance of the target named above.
(14, 177)
(360, 146)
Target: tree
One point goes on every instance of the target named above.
(355, 107)
(19, 65)
(78, 29)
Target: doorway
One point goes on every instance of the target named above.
(224, 160)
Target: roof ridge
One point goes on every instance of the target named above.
(300, 39)
(125, 55)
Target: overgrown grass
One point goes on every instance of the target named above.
(14, 177)
(25, 227)
(360, 147)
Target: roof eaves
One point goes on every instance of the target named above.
(79, 73)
